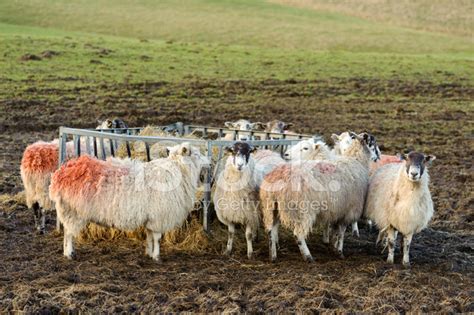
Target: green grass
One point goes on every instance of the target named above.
(444, 16)
(225, 40)
(237, 22)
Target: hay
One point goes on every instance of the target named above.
(190, 237)
(138, 148)
(9, 203)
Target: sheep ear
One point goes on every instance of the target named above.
(365, 137)
(185, 151)
(167, 151)
(288, 126)
(335, 137)
(429, 159)
(253, 149)
(229, 124)
(229, 149)
(316, 146)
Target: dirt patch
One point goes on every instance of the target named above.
(116, 276)
(113, 275)
(30, 57)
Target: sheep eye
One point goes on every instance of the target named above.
(305, 148)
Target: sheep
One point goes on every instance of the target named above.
(127, 194)
(277, 126)
(115, 123)
(265, 162)
(318, 150)
(399, 199)
(309, 149)
(297, 194)
(384, 159)
(344, 140)
(39, 161)
(341, 143)
(235, 198)
(242, 125)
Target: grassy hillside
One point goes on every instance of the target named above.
(104, 41)
(85, 59)
(239, 22)
(446, 16)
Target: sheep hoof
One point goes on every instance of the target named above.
(273, 259)
(309, 259)
(250, 256)
(341, 256)
(227, 252)
(157, 260)
(356, 234)
(71, 256)
(390, 261)
(406, 264)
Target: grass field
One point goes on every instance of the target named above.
(402, 70)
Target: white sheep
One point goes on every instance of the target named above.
(242, 125)
(298, 194)
(278, 126)
(309, 149)
(39, 161)
(399, 199)
(265, 162)
(341, 143)
(236, 197)
(127, 194)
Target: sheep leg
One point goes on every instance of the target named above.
(355, 229)
(249, 237)
(341, 229)
(42, 226)
(406, 249)
(68, 245)
(326, 234)
(275, 235)
(38, 215)
(230, 239)
(369, 225)
(273, 240)
(149, 243)
(58, 223)
(156, 246)
(256, 236)
(304, 249)
(391, 237)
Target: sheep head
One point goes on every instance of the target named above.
(240, 155)
(415, 164)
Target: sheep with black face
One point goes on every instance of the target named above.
(399, 199)
(235, 198)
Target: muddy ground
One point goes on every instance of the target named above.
(115, 276)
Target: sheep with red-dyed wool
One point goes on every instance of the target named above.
(127, 194)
